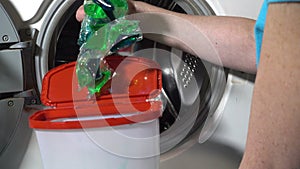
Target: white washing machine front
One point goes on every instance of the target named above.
(231, 97)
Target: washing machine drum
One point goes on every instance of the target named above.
(192, 88)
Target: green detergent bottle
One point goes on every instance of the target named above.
(99, 13)
(104, 31)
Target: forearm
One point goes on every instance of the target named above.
(274, 130)
(231, 38)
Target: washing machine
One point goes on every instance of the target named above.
(38, 35)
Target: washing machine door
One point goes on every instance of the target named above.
(17, 89)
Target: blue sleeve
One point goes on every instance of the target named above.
(260, 25)
(279, 1)
(259, 29)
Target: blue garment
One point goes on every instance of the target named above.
(260, 24)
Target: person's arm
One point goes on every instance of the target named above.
(226, 41)
(232, 37)
(274, 131)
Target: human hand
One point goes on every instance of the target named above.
(80, 11)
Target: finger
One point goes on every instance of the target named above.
(80, 13)
(131, 7)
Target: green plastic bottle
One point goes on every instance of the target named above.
(104, 31)
(96, 16)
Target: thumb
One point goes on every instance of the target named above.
(80, 13)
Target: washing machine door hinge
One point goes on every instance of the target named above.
(31, 97)
(18, 68)
(29, 50)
